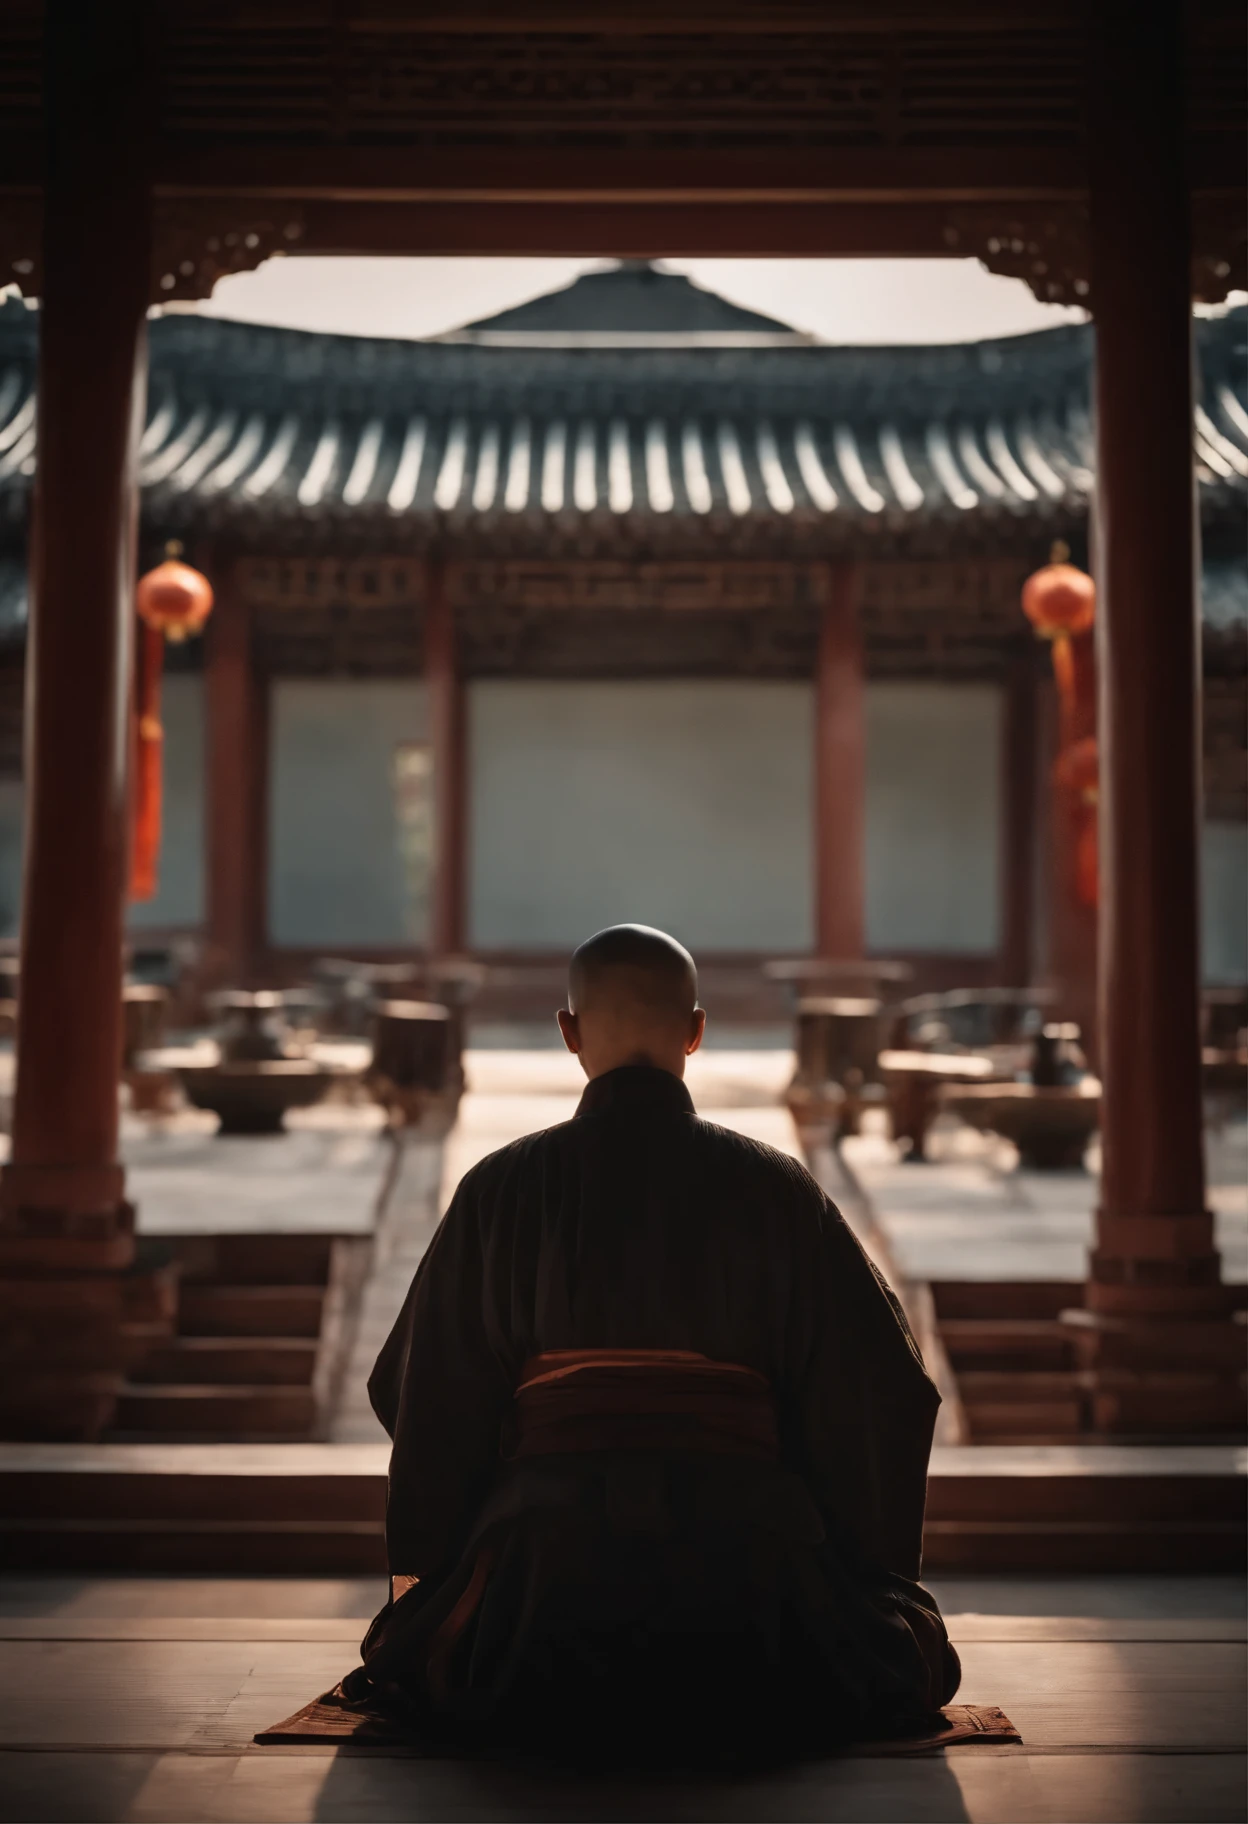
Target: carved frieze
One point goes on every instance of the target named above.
(1048, 246)
(321, 582)
(198, 240)
(630, 588)
(382, 582)
(1044, 244)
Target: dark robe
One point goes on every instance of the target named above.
(648, 1584)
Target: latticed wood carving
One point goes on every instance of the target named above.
(633, 588)
(197, 240)
(325, 616)
(337, 80)
(315, 582)
(618, 587)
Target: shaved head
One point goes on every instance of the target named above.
(632, 998)
(633, 965)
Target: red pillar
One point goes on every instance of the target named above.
(238, 791)
(840, 769)
(62, 1208)
(1155, 1276)
(1020, 736)
(447, 923)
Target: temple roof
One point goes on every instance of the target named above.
(633, 304)
(280, 436)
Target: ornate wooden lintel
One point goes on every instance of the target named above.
(574, 585)
(198, 240)
(621, 587)
(974, 587)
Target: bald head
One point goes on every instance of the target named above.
(632, 998)
(634, 964)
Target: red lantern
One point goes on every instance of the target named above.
(1059, 600)
(173, 601)
(1060, 603)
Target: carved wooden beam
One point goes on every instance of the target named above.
(198, 240)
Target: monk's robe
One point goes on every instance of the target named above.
(660, 1448)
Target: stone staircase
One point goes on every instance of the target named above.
(262, 1328)
(1015, 1363)
(318, 1509)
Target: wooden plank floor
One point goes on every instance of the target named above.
(135, 1699)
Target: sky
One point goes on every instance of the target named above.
(840, 301)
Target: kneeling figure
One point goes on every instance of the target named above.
(660, 1429)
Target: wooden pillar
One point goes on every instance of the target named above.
(1020, 735)
(448, 898)
(237, 701)
(62, 1208)
(1154, 1264)
(840, 769)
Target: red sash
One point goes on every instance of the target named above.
(670, 1400)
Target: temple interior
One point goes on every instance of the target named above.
(348, 681)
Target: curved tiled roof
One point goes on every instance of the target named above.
(251, 427)
(631, 304)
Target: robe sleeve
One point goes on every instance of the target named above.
(866, 1409)
(442, 1395)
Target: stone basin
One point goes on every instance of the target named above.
(1050, 1125)
(251, 1096)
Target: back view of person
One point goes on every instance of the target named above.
(660, 1430)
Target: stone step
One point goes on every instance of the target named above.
(217, 1411)
(1008, 1422)
(250, 1310)
(318, 1509)
(255, 1259)
(1000, 1407)
(1006, 1344)
(229, 1361)
(1082, 1546)
(309, 1548)
(980, 1387)
(1005, 1298)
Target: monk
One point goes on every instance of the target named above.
(660, 1429)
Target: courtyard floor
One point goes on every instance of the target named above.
(136, 1700)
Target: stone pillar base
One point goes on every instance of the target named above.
(76, 1312)
(1170, 1361)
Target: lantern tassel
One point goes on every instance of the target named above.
(148, 746)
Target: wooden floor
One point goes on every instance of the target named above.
(135, 1699)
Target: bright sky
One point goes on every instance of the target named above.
(846, 301)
